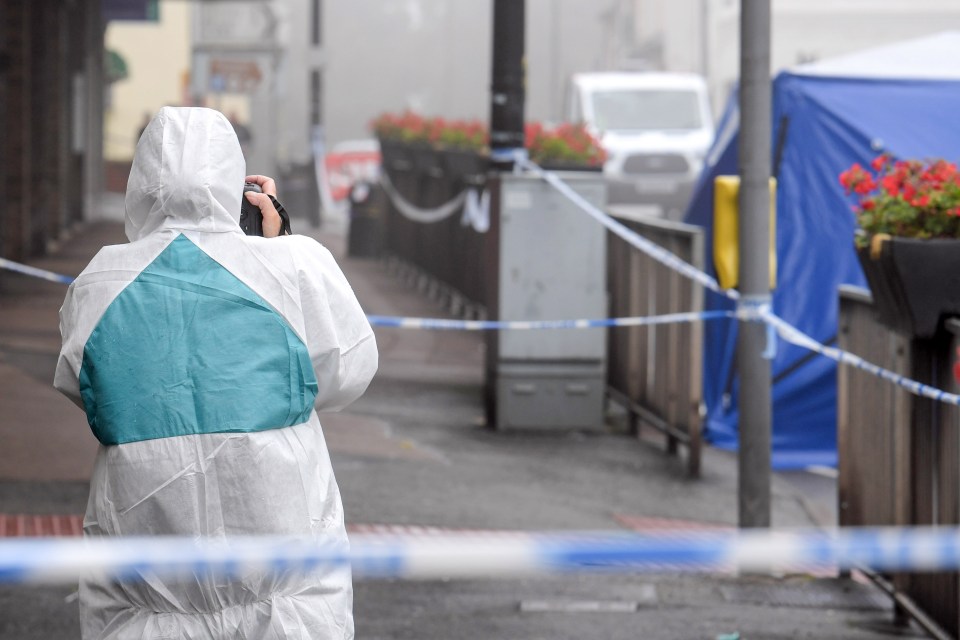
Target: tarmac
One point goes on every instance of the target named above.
(414, 455)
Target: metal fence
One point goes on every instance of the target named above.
(899, 454)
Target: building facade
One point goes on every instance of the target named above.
(434, 57)
(51, 107)
(703, 36)
(156, 55)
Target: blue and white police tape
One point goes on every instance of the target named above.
(10, 265)
(745, 311)
(794, 336)
(495, 325)
(479, 555)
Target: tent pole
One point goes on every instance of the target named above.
(754, 238)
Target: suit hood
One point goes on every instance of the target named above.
(187, 174)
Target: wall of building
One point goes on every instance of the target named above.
(158, 62)
(563, 37)
(434, 56)
(50, 58)
(818, 29)
(273, 48)
(302, 36)
(703, 35)
(431, 56)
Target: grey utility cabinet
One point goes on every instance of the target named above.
(549, 258)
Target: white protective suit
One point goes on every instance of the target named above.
(200, 356)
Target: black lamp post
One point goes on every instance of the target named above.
(509, 82)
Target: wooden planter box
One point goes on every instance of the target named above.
(468, 168)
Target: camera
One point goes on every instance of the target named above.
(251, 219)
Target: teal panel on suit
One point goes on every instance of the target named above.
(187, 348)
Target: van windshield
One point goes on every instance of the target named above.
(646, 110)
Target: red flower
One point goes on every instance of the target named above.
(845, 179)
(865, 185)
(879, 161)
(891, 184)
(567, 143)
(944, 170)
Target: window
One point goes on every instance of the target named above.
(646, 109)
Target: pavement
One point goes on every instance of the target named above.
(414, 455)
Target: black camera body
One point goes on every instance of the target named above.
(251, 219)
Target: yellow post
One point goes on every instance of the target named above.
(726, 215)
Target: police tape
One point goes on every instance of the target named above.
(794, 336)
(10, 265)
(494, 325)
(745, 311)
(483, 555)
(464, 325)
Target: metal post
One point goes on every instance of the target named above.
(94, 33)
(754, 237)
(509, 83)
(705, 32)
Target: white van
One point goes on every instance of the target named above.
(656, 129)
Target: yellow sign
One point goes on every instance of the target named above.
(726, 241)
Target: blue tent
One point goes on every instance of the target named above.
(903, 99)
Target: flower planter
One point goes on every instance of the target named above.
(578, 148)
(395, 156)
(426, 160)
(467, 167)
(915, 283)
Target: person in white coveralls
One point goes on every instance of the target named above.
(201, 356)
